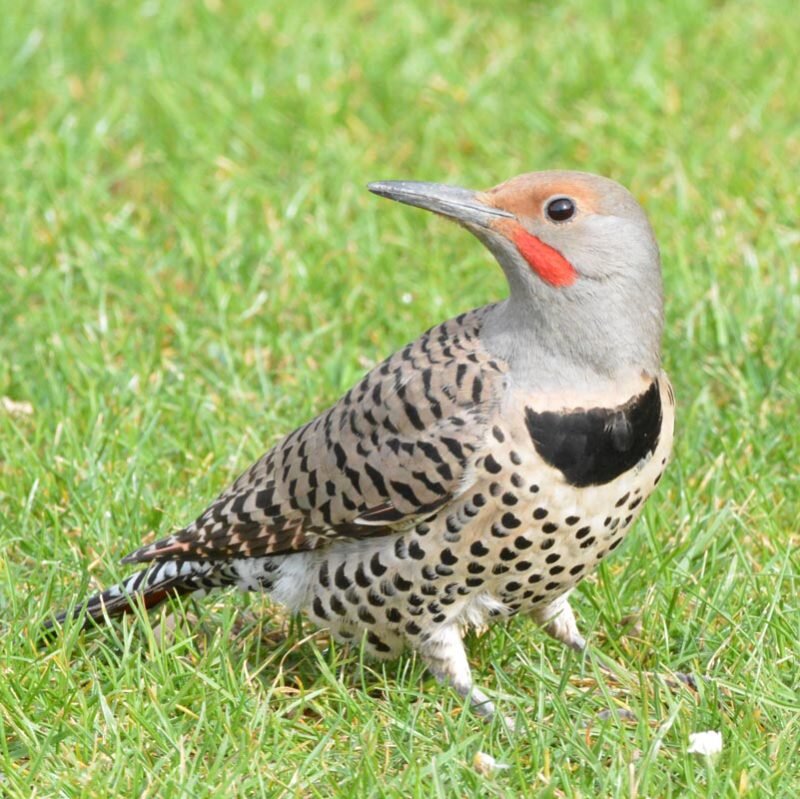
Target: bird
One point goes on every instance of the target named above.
(480, 472)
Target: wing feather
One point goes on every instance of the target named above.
(394, 449)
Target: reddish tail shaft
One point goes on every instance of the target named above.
(150, 587)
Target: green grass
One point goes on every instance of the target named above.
(191, 267)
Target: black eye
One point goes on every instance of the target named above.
(560, 209)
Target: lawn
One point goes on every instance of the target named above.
(191, 267)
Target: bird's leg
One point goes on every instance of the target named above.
(446, 658)
(558, 621)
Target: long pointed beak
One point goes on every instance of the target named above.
(456, 203)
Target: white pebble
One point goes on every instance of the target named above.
(705, 743)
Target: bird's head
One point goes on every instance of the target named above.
(580, 259)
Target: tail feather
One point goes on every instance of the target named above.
(148, 588)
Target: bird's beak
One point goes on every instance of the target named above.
(461, 205)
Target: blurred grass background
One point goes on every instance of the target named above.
(191, 266)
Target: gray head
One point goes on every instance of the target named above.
(582, 265)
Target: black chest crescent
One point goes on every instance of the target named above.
(596, 445)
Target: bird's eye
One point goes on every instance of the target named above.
(561, 209)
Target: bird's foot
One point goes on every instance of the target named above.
(558, 621)
(446, 659)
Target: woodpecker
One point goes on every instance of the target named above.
(480, 472)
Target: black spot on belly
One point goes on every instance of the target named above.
(520, 542)
(549, 527)
(341, 579)
(374, 599)
(510, 521)
(361, 577)
(324, 575)
(394, 615)
(595, 446)
(478, 549)
(416, 551)
(447, 557)
(428, 573)
(375, 565)
(365, 615)
(319, 609)
(376, 642)
(336, 605)
(491, 465)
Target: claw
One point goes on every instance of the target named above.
(446, 659)
(558, 621)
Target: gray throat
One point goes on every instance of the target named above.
(544, 356)
(616, 338)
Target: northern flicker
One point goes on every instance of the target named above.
(480, 472)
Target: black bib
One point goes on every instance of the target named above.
(595, 446)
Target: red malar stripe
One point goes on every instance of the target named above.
(549, 264)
